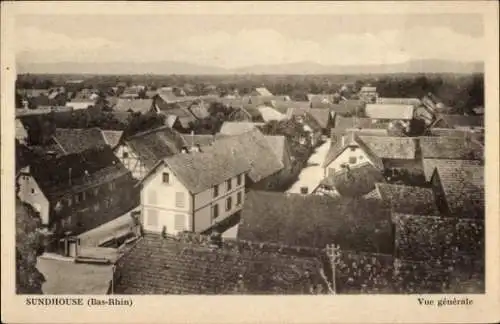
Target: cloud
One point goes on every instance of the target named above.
(257, 46)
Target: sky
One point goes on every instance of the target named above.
(234, 41)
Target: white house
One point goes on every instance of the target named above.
(193, 191)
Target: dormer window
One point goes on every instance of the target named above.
(228, 185)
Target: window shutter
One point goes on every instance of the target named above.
(152, 217)
(179, 199)
(180, 224)
(152, 197)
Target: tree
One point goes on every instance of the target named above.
(29, 245)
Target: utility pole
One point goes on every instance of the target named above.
(333, 252)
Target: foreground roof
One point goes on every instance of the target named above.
(161, 266)
(315, 221)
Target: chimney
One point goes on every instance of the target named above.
(184, 150)
(343, 139)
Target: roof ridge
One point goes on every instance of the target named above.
(149, 131)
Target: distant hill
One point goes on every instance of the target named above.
(171, 67)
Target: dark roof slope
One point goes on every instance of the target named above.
(315, 221)
(447, 147)
(153, 145)
(463, 187)
(431, 164)
(460, 120)
(76, 172)
(342, 123)
(408, 199)
(77, 140)
(160, 266)
(136, 105)
(390, 147)
(322, 116)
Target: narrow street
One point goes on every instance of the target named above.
(312, 174)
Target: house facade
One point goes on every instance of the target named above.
(187, 193)
(78, 192)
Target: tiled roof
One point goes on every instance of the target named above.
(185, 117)
(408, 199)
(431, 164)
(315, 221)
(322, 116)
(232, 102)
(399, 101)
(199, 171)
(277, 144)
(197, 139)
(387, 111)
(136, 105)
(447, 147)
(112, 137)
(255, 148)
(328, 105)
(160, 266)
(357, 122)
(460, 120)
(389, 147)
(153, 145)
(236, 128)
(78, 140)
(453, 132)
(269, 113)
(431, 237)
(463, 187)
(322, 97)
(167, 94)
(356, 181)
(66, 174)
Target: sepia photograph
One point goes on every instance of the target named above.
(249, 154)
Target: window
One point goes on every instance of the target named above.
(179, 222)
(216, 191)
(215, 211)
(96, 192)
(152, 217)
(152, 197)
(353, 149)
(352, 160)
(82, 196)
(361, 157)
(166, 178)
(229, 203)
(238, 179)
(179, 199)
(32, 190)
(111, 186)
(239, 196)
(77, 199)
(96, 207)
(228, 184)
(125, 155)
(69, 201)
